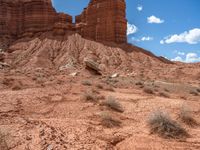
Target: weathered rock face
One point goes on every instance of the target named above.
(102, 20)
(25, 16)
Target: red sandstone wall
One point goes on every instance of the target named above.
(22, 16)
(102, 20)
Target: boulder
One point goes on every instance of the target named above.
(92, 66)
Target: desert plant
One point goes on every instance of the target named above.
(109, 88)
(86, 82)
(194, 92)
(89, 96)
(108, 121)
(186, 116)
(100, 86)
(139, 83)
(112, 103)
(161, 124)
(164, 94)
(3, 144)
(16, 87)
(148, 90)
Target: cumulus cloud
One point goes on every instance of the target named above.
(154, 19)
(177, 58)
(139, 7)
(192, 57)
(179, 53)
(142, 39)
(146, 38)
(190, 37)
(189, 58)
(131, 29)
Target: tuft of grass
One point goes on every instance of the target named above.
(108, 121)
(112, 103)
(164, 94)
(109, 88)
(161, 124)
(89, 96)
(16, 87)
(3, 144)
(194, 92)
(139, 83)
(186, 116)
(148, 90)
(99, 86)
(86, 82)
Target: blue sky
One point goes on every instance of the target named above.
(169, 28)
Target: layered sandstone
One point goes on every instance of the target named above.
(102, 20)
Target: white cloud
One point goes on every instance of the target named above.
(178, 58)
(162, 42)
(142, 39)
(133, 39)
(146, 38)
(192, 57)
(131, 29)
(179, 53)
(190, 37)
(154, 19)
(189, 58)
(140, 8)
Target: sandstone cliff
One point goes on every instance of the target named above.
(102, 20)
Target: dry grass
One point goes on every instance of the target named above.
(186, 116)
(108, 121)
(161, 124)
(16, 87)
(109, 88)
(164, 94)
(194, 92)
(148, 90)
(112, 103)
(3, 144)
(86, 82)
(99, 86)
(89, 96)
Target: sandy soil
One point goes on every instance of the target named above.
(44, 103)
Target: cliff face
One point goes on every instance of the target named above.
(102, 20)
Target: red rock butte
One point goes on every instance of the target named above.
(102, 20)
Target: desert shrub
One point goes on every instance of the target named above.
(3, 144)
(108, 121)
(164, 94)
(186, 116)
(109, 88)
(89, 96)
(161, 124)
(198, 90)
(194, 92)
(139, 83)
(112, 103)
(86, 82)
(100, 86)
(16, 87)
(148, 90)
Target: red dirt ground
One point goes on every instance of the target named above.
(42, 103)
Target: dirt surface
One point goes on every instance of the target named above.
(49, 101)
